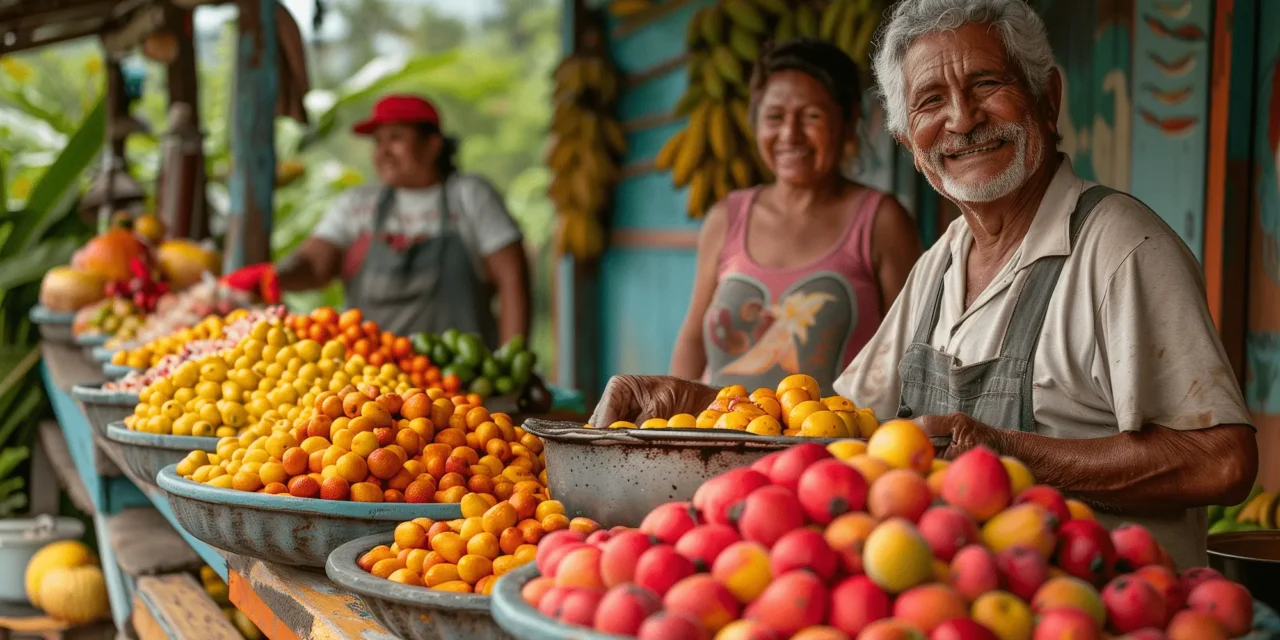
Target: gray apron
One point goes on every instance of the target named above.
(998, 392)
(429, 285)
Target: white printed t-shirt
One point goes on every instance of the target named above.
(476, 208)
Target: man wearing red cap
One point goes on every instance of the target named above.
(424, 251)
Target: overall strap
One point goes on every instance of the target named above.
(928, 321)
(382, 211)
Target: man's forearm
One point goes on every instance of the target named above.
(1157, 469)
(297, 272)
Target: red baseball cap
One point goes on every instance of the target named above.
(396, 109)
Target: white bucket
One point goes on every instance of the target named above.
(21, 538)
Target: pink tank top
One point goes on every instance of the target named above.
(765, 324)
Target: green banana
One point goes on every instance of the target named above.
(806, 21)
(1222, 526)
(844, 31)
(744, 44)
(776, 7)
(693, 96)
(712, 25)
(786, 28)
(1214, 513)
(693, 30)
(744, 13)
(831, 19)
(713, 83)
(862, 39)
(728, 64)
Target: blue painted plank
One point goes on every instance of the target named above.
(646, 294)
(656, 96)
(1158, 154)
(211, 556)
(118, 591)
(655, 42)
(644, 145)
(79, 435)
(257, 83)
(649, 201)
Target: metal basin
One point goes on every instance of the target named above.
(299, 532)
(1251, 558)
(117, 371)
(617, 476)
(103, 407)
(103, 354)
(524, 622)
(54, 326)
(145, 454)
(413, 613)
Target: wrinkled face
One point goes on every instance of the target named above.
(402, 157)
(975, 128)
(800, 132)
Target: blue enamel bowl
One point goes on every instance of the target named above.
(92, 340)
(145, 454)
(103, 354)
(409, 612)
(55, 326)
(524, 622)
(300, 532)
(103, 407)
(117, 371)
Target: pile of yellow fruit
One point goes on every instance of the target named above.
(268, 377)
(373, 444)
(469, 554)
(795, 408)
(151, 353)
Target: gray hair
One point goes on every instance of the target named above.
(1018, 25)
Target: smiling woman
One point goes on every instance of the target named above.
(794, 276)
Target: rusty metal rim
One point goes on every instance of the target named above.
(519, 619)
(574, 432)
(179, 487)
(342, 570)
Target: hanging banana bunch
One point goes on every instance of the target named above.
(716, 152)
(585, 151)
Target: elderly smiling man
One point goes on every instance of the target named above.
(1058, 321)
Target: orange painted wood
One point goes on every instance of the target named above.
(1216, 180)
(248, 602)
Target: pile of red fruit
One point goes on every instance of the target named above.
(805, 545)
(144, 288)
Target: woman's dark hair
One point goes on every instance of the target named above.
(818, 59)
(446, 162)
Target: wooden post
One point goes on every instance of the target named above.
(187, 188)
(253, 172)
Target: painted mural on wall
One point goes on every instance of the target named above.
(1171, 69)
(1093, 43)
(1263, 340)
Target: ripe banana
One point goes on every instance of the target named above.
(720, 133)
(693, 147)
(745, 14)
(615, 136)
(738, 110)
(741, 173)
(628, 8)
(700, 191)
(667, 155)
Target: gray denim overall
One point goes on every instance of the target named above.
(995, 392)
(429, 285)
(998, 392)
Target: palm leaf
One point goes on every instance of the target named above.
(10, 458)
(31, 265)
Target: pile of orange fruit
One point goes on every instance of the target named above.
(367, 445)
(366, 339)
(469, 554)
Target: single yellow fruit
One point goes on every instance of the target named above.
(75, 594)
(765, 425)
(823, 424)
(55, 555)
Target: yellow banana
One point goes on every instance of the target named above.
(744, 43)
(560, 155)
(667, 155)
(743, 13)
(1252, 511)
(693, 148)
(615, 136)
(806, 21)
(739, 111)
(741, 173)
(628, 8)
(831, 19)
(728, 65)
(720, 132)
(721, 186)
(712, 25)
(700, 192)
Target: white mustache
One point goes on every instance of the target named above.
(954, 143)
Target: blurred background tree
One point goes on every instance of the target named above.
(487, 65)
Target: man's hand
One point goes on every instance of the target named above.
(638, 398)
(965, 432)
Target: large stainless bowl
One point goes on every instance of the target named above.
(1251, 558)
(617, 476)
